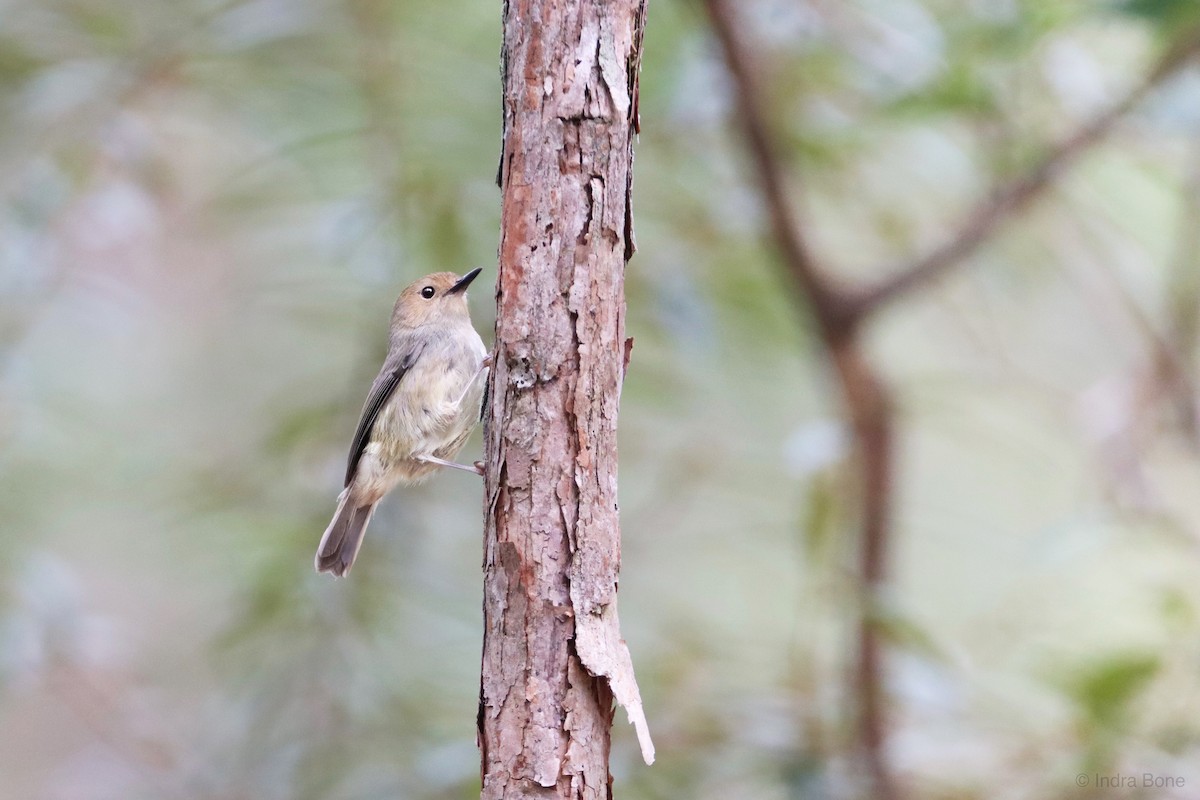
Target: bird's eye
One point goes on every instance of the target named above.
(427, 292)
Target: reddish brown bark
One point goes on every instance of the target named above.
(553, 659)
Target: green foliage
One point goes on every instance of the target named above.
(1105, 691)
(958, 91)
(906, 634)
(1106, 688)
(1164, 13)
(823, 521)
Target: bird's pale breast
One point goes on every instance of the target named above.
(424, 415)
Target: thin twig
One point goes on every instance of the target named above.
(1183, 312)
(1011, 198)
(101, 714)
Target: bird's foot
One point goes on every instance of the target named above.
(441, 462)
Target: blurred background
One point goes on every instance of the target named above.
(209, 207)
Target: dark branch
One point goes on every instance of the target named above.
(1009, 199)
(828, 304)
(866, 403)
(866, 397)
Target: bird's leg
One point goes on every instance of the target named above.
(474, 469)
(487, 362)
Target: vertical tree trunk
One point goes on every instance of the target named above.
(553, 659)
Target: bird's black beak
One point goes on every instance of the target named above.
(464, 281)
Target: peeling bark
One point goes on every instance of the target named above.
(553, 659)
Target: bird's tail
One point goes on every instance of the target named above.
(344, 536)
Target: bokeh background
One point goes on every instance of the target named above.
(208, 207)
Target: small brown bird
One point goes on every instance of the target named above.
(419, 412)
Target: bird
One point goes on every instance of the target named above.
(421, 408)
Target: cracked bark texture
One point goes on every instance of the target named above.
(553, 659)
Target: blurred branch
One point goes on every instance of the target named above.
(1169, 372)
(380, 74)
(149, 67)
(867, 406)
(1182, 334)
(102, 715)
(1013, 197)
(829, 305)
(838, 312)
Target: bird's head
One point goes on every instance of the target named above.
(437, 298)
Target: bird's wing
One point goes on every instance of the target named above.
(397, 364)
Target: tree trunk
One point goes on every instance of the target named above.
(553, 659)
